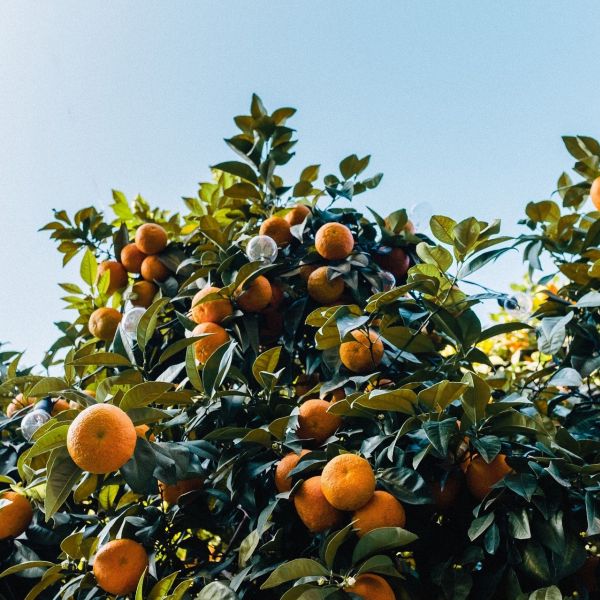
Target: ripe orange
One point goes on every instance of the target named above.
(283, 482)
(315, 422)
(348, 481)
(446, 497)
(336, 395)
(142, 430)
(371, 587)
(481, 476)
(101, 439)
(211, 311)
(151, 238)
(364, 353)
(117, 278)
(304, 383)
(172, 493)
(334, 241)
(595, 193)
(206, 346)
(297, 214)
(19, 401)
(277, 296)
(59, 406)
(306, 270)
(142, 293)
(313, 509)
(397, 262)
(323, 289)
(119, 565)
(103, 323)
(278, 229)
(383, 510)
(16, 516)
(153, 269)
(132, 258)
(256, 296)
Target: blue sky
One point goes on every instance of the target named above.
(461, 104)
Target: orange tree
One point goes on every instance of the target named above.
(270, 395)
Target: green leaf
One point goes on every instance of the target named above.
(548, 593)
(443, 228)
(63, 474)
(479, 525)
(143, 394)
(105, 359)
(403, 401)
(162, 587)
(177, 347)
(544, 211)
(466, 234)
(52, 439)
(378, 540)
(440, 395)
(32, 564)
(46, 386)
(476, 397)
(238, 168)
(334, 542)
(500, 329)
(295, 569)
(147, 324)
(89, 267)
(216, 591)
(266, 363)
(435, 255)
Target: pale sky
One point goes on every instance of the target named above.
(461, 104)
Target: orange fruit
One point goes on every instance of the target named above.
(313, 509)
(16, 516)
(323, 289)
(19, 401)
(315, 422)
(153, 269)
(383, 510)
(277, 296)
(410, 227)
(306, 270)
(446, 497)
(371, 587)
(283, 482)
(143, 293)
(117, 280)
(297, 214)
(211, 311)
(304, 383)
(364, 353)
(206, 346)
(481, 476)
(172, 493)
(101, 439)
(595, 193)
(336, 395)
(142, 430)
(278, 229)
(103, 323)
(151, 238)
(397, 262)
(348, 481)
(59, 406)
(119, 565)
(132, 258)
(334, 241)
(256, 296)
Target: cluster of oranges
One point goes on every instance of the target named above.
(345, 486)
(140, 257)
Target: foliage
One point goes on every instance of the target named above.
(446, 391)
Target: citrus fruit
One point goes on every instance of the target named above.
(172, 493)
(371, 587)
(101, 439)
(383, 510)
(314, 422)
(15, 516)
(211, 311)
(595, 193)
(142, 430)
(132, 258)
(283, 482)
(297, 214)
(481, 476)
(205, 347)
(397, 262)
(117, 277)
(119, 565)
(256, 296)
(19, 401)
(313, 509)
(323, 289)
(364, 353)
(59, 406)
(143, 293)
(306, 270)
(153, 269)
(278, 229)
(348, 481)
(103, 323)
(334, 241)
(151, 238)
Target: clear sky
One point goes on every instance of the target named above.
(461, 104)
